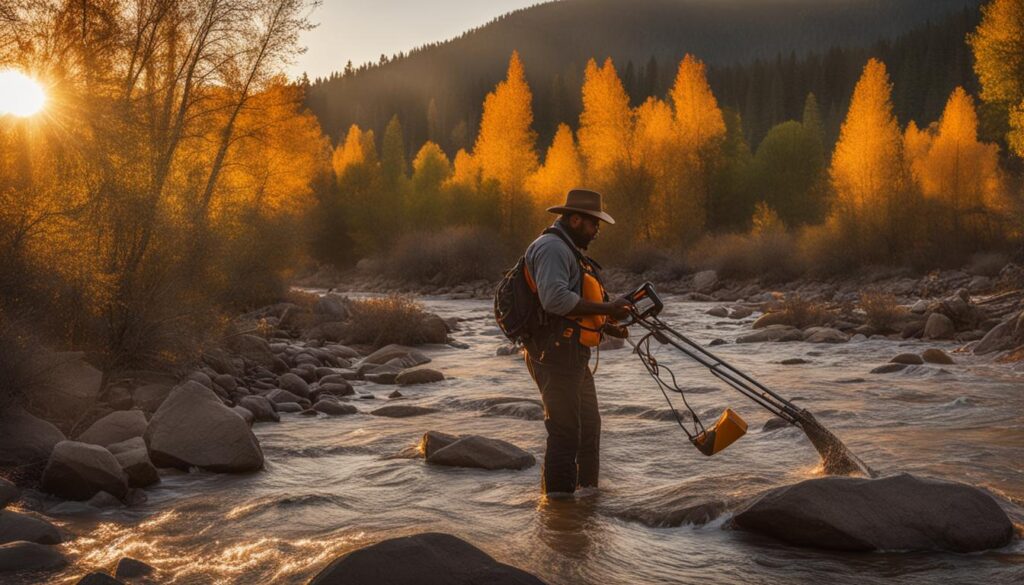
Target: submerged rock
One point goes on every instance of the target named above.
(936, 356)
(525, 410)
(429, 558)
(407, 356)
(99, 578)
(908, 359)
(900, 512)
(483, 453)
(772, 333)
(402, 410)
(889, 368)
(129, 568)
(418, 376)
(193, 428)
(334, 408)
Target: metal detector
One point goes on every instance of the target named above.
(646, 306)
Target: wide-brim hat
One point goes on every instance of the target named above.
(585, 202)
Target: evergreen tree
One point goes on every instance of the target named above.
(426, 204)
(790, 173)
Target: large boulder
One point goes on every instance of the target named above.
(280, 395)
(294, 384)
(115, 427)
(29, 556)
(407, 357)
(428, 558)
(150, 396)
(900, 512)
(8, 492)
(482, 452)
(825, 335)
(79, 471)
(434, 441)
(908, 359)
(133, 457)
(939, 326)
(418, 376)
(705, 281)
(1005, 335)
(15, 527)
(334, 408)
(255, 349)
(194, 428)
(772, 333)
(934, 355)
(72, 384)
(26, 439)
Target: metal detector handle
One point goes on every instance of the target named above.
(646, 303)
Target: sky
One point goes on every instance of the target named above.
(361, 30)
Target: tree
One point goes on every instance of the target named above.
(868, 173)
(425, 204)
(790, 173)
(606, 123)
(732, 198)
(998, 45)
(561, 171)
(505, 144)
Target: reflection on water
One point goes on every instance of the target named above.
(333, 484)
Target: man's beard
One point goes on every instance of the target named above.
(578, 237)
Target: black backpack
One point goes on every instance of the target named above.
(517, 307)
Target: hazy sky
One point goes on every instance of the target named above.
(361, 30)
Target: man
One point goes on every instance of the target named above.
(558, 354)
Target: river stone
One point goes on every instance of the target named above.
(402, 410)
(889, 368)
(289, 407)
(29, 556)
(261, 407)
(193, 428)
(939, 326)
(705, 280)
(911, 359)
(718, 341)
(717, 312)
(408, 356)
(740, 312)
(824, 335)
(524, 410)
(434, 441)
(115, 427)
(381, 377)
(482, 452)
(245, 413)
(334, 408)
(15, 526)
(201, 377)
(900, 512)
(99, 578)
(793, 361)
(255, 349)
(26, 439)
(774, 318)
(78, 471)
(936, 356)
(129, 568)
(335, 389)
(72, 384)
(134, 460)
(774, 423)
(336, 377)
(280, 395)
(779, 333)
(342, 351)
(428, 558)
(418, 376)
(151, 396)
(8, 492)
(294, 384)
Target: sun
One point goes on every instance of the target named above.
(20, 95)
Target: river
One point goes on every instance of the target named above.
(330, 483)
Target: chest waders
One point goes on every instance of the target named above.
(835, 456)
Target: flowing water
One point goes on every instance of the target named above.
(331, 484)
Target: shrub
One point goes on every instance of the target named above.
(882, 309)
(453, 255)
(800, 312)
(770, 256)
(644, 258)
(392, 319)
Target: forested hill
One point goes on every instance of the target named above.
(437, 90)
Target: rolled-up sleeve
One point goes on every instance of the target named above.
(552, 270)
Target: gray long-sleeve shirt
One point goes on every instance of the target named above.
(556, 271)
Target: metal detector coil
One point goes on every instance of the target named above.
(723, 433)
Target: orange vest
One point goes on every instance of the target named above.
(592, 290)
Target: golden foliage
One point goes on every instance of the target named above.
(606, 122)
(998, 45)
(561, 171)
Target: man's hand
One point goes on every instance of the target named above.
(619, 309)
(613, 330)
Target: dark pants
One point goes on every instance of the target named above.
(560, 367)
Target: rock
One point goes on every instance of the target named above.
(290, 407)
(506, 349)
(334, 408)
(793, 361)
(482, 452)
(418, 376)
(900, 512)
(226, 382)
(72, 384)
(434, 441)
(936, 356)
(332, 307)
(717, 312)
(919, 307)
(382, 377)
(342, 351)
(424, 559)
(29, 556)
(99, 578)
(15, 526)
(780, 333)
(889, 368)
(129, 568)
(193, 428)
(78, 471)
(396, 394)
(824, 335)
(309, 412)
(151, 396)
(705, 281)
(717, 341)
(768, 319)
(294, 384)
(336, 389)
(245, 413)
(328, 331)
(1006, 335)
(740, 312)
(8, 493)
(26, 439)
(201, 377)
(408, 356)
(402, 411)
(939, 326)
(254, 349)
(134, 460)
(523, 410)
(907, 358)
(118, 397)
(261, 407)
(774, 423)
(115, 427)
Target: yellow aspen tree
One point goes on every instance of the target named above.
(916, 143)
(606, 122)
(657, 153)
(505, 146)
(700, 128)
(998, 45)
(867, 170)
(561, 171)
(465, 171)
(358, 148)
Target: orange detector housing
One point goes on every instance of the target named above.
(725, 431)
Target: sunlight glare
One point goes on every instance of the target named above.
(20, 95)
